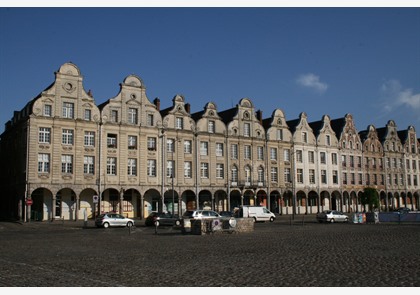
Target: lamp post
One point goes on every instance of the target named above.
(173, 193)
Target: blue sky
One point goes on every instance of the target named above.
(320, 60)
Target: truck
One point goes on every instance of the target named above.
(258, 213)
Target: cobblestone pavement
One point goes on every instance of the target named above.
(278, 254)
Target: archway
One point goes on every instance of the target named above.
(65, 205)
(110, 200)
(235, 200)
(276, 203)
(220, 201)
(287, 207)
(205, 201)
(188, 197)
(249, 198)
(262, 198)
(301, 202)
(312, 202)
(86, 203)
(170, 202)
(41, 208)
(131, 198)
(383, 201)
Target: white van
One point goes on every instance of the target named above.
(258, 213)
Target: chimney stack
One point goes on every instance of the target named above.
(259, 116)
(157, 103)
(188, 107)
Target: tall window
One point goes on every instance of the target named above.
(260, 153)
(299, 156)
(328, 139)
(234, 148)
(47, 110)
(344, 178)
(311, 176)
(334, 158)
(260, 174)
(234, 172)
(151, 143)
(187, 169)
(211, 126)
(88, 115)
(204, 148)
(132, 116)
(247, 129)
(170, 145)
(132, 167)
(351, 161)
(300, 175)
(88, 165)
(151, 168)
(68, 110)
(219, 149)
(132, 142)
(304, 137)
(286, 154)
(247, 174)
(44, 163)
(273, 154)
(220, 171)
(111, 140)
(187, 146)
(279, 134)
(150, 120)
(335, 176)
(247, 152)
(204, 170)
(323, 158)
(274, 174)
(89, 139)
(44, 135)
(114, 116)
(287, 175)
(324, 176)
(311, 157)
(111, 166)
(179, 123)
(67, 164)
(170, 168)
(343, 160)
(67, 137)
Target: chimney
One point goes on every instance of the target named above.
(259, 116)
(188, 107)
(157, 103)
(90, 93)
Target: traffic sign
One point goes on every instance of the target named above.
(29, 202)
(95, 199)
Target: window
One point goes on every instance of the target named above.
(353, 178)
(300, 175)
(67, 164)
(89, 139)
(114, 116)
(179, 123)
(414, 165)
(260, 174)
(351, 161)
(187, 169)
(132, 116)
(88, 165)
(274, 174)
(343, 160)
(234, 172)
(260, 153)
(299, 156)
(220, 171)
(324, 176)
(311, 176)
(286, 154)
(287, 175)
(132, 167)
(273, 154)
(304, 137)
(111, 140)
(247, 129)
(44, 135)
(132, 142)
(204, 148)
(219, 149)
(311, 157)
(68, 110)
(247, 152)
(323, 158)
(67, 137)
(170, 168)
(334, 158)
(204, 170)
(359, 162)
(401, 179)
(170, 145)
(151, 143)
(187, 146)
(247, 174)
(150, 120)
(47, 110)
(367, 178)
(111, 166)
(151, 168)
(279, 134)
(44, 163)
(344, 178)
(234, 148)
(88, 115)
(211, 126)
(335, 176)
(328, 139)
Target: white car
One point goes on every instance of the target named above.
(197, 214)
(113, 219)
(332, 216)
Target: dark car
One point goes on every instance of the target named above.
(402, 210)
(160, 218)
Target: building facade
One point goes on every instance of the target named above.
(65, 157)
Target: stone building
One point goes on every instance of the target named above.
(65, 157)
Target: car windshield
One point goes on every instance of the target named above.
(188, 214)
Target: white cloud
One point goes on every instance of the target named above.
(395, 96)
(312, 81)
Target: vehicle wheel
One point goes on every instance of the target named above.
(177, 223)
(255, 219)
(156, 223)
(129, 224)
(332, 220)
(271, 219)
(106, 225)
(346, 220)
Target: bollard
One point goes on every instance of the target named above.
(156, 226)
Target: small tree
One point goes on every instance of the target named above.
(370, 197)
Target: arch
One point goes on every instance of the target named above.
(235, 200)
(383, 201)
(287, 202)
(347, 202)
(131, 203)
(354, 203)
(262, 198)
(110, 200)
(189, 199)
(312, 205)
(65, 205)
(221, 201)
(325, 201)
(152, 201)
(301, 202)
(339, 203)
(170, 202)
(86, 203)
(205, 200)
(41, 208)
(276, 202)
(248, 198)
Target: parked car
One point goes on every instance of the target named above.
(113, 219)
(402, 210)
(332, 216)
(160, 218)
(226, 213)
(197, 214)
